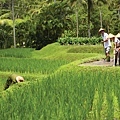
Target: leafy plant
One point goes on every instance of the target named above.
(79, 41)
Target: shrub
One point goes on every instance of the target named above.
(79, 41)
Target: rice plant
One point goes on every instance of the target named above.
(26, 65)
(16, 52)
(66, 95)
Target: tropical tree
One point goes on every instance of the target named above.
(87, 16)
(87, 4)
(114, 8)
(100, 3)
(19, 12)
(52, 22)
(76, 6)
(13, 18)
(90, 5)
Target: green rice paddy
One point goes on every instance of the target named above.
(56, 88)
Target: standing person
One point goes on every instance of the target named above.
(118, 46)
(116, 42)
(106, 43)
(13, 79)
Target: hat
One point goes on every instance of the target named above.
(19, 79)
(118, 35)
(111, 35)
(101, 29)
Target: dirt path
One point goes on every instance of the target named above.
(101, 62)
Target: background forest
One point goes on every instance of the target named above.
(36, 23)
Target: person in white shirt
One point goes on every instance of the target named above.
(106, 43)
(116, 42)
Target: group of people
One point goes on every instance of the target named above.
(107, 39)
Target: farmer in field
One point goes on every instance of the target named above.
(106, 43)
(13, 79)
(116, 40)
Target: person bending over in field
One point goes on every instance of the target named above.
(13, 79)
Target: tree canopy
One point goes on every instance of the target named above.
(39, 22)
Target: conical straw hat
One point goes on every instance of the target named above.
(118, 35)
(111, 35)
(101, 29)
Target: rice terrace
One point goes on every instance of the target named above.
(57, 86)
(59, 59)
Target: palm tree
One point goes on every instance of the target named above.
(90, 5)
(99, 3)
(76, 4)
(13, 24)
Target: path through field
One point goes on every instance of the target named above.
(101, 62)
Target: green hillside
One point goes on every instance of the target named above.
(55, 87)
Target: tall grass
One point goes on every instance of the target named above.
(30, 65)
(16, 52)
(66, 95)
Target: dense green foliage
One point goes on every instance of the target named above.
(39, 22)
(79, 41)
(52, 21)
